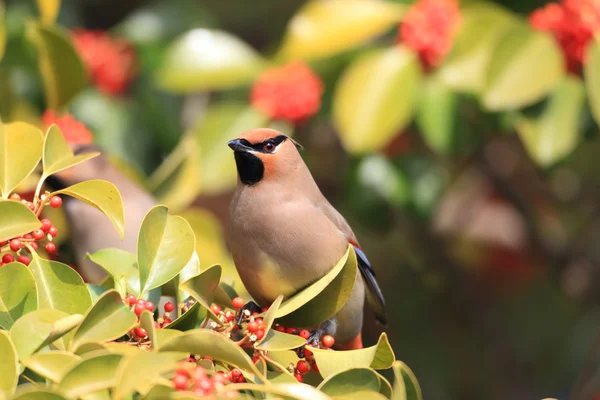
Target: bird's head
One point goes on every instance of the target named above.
(265, 153)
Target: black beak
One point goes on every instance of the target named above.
(237, 145)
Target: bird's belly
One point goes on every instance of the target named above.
(269, 281)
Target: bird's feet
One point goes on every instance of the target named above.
(248, 309)
(313, 340)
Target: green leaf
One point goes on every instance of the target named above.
(349, 381)
(191, 269)
(20, 152)
(48, 10)
(297, 391)
(40, 328)
(103, 196)
(555, 134)
(147, 322)
(2, 33)
(592, 77)
(59, 286)
(107, 320)
(121, 266)
(164, 335)
(57, 155)
(406, 386)
(138, 373)
(204, 59)
(52, 365)
(91, 375)
(18, 293)
(189, 319)
(62, 70)
(273, 340)
(362, 394)
(215, 345)
(39, 394)
(380, 356)
(324, 298)
(525, 66)
(9, 367)
(385, 387)
(466, 66)
(202, 287)
(313, 33)
(383, 85)
(436, 116)
(95, 291)
(17, 219)
(165, 244)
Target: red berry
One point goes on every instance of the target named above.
(30, 205)
(215, 309)
(34, 246)
(299, 377)
(27, 236)
(180, 382)
(237, 302)
(2, 243)
(204, 384)
(327, 341)
(303, 367)
(23, 260)
(7, 258)
(141, 333)
(38, 234)
(139, 309)
(260, 334)
(315, 367)
(169, 307)
(149, 306)
(252, 327)
(130, 299)
(304, 333)
(219, 377)
(255, 359)
(292, 331)
(280, 328)
(167, 321)
(15, 245)
(265, 309)
(50, 248)
(55, 202)
(307, 352)
(53, 231)
(236, 373)
(229, 316)
(15, 196)
(141, 302)
(46, 225)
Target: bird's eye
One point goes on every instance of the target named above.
(269, 147)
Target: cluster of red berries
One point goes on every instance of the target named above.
(573, 24)
(428, 28)
(138, 306)
(192, 377)
(11, 250)
(292, 92)
(73, 131)
(111, 62)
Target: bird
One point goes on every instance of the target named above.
(283, 234)
(90, 229)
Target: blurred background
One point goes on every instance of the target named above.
(459, 139)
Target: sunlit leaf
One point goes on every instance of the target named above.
(382, 84)
(406, 386)
(121, 266)
(91, 375)
(140, 372)
(436, 116)
(62, 70)
(204, 59)
(189, 319)
(17, 164)
(48, 10)
(103, 196)
(297, 391)
(9, 367)
(191, 269)
(202, 287)
(592, 77)
(17, 219)
(273, 340)
(349, 381)
(18, 293)
(57, 155)
(362, 394)
(39, 394)
(313, 33)
(52, 365)
(2, 32)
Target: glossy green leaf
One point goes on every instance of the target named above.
(121, 266)
(189, 319)
(57, 155)
(138, 373)
(383, 85)
(147, 322)
(212, 344)
(91, 375)
(202, 287)
(17, 219)
(16, 164)
(406, 386)
(103, 196)
(324, 298)
(63, 72)
(525, 66)
(204, 59)
(39, 394)
(9, 367)
(165, 244)
(95, 291)
(40, 328)
(436, 116)
(191, 269)
(107, 320)
(379, 356)
(482, 27)
(297, 391)
(59, 286)
(273, 340)
(313, 33)
(349, 381)
(18, 293)
(52, 365)
(592, 77)
(2, 33)
(164, 335)
(555, 134)
(362, 394)
(385, 387)
(48, 10)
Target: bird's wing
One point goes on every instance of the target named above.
(374, 294)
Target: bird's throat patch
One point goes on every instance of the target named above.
(250, 167)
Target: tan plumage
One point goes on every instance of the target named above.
(283, 233)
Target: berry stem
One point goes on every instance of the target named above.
(268, 359)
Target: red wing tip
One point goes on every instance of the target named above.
(353, 243)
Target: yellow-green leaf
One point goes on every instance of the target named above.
(2, 32)
(165, 244)
(525, 66)
(52, 365)
(375, 98)
(17, 219)
(20, 152)
(58, 155)
(406, 386)
(139, 372)
(295, 391)
(349, 381)
(592, 77)
(91, 375)
(202, 287)
(189, 320)
(9, 367)
(103, 196)
(555, 134)
(37, 393)
(324, 298)
(323, 28)
(63, 72)
(204, 59)
(107, 320)
(362, 394)
(437, 115)
(121, 266)
(48, 10)
(379, 356)
(273, 340)
(18, 293)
